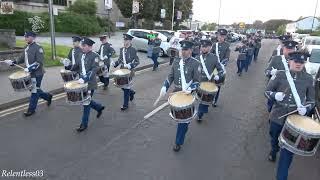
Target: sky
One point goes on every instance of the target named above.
(249, 10)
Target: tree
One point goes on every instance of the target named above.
(209, 27)
(273, 24)
(281, 30)
(88, 7)
(257, 24)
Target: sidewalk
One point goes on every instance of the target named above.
(51, 82)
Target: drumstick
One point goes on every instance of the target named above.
(288, 114)
(317, 112)
(157, 101)
(19, 66)
(156, 110)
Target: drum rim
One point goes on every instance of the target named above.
(203, 90)
(302, 131)
(85, 86)
(283, 143)
(185, 106)
(122, 75)
(184, 120)
(28, 75)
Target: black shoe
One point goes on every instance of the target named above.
(81, 128)
(199, 120)
(28, 113)
(105, 87)
(49, 100)
(176, 148)
(132, 96)
(272, 158)
(100, 112)
(123, 108)
(214, 105)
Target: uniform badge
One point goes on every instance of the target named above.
(40, 50)
(199, 69)
(96, 60)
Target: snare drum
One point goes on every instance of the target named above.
(101, 68)
(182, 107)
(77, 94)
(122, 77)
(206, 92)
(300, 135)
(20, 81)
(68, 75)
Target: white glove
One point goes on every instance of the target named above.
(279, 96)
(9, 62)
(187, 91)
(26, 70)
(216, 77)
(302, 110)
(273, 71)
(112, 63)
(66, 62)
(163, 91)
(81, 81)
(127, 66)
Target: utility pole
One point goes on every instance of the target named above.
(52, 31)
(314, 15)
(172, 20)
(219, 13)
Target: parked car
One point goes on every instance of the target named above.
(168, 33)
(313, 62)
(310, 42)
(140, 40)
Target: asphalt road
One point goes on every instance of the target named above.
(231, 144)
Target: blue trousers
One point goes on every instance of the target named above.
(86, 110)
(241, 64)
(274, 132)
(155, 60)
(202, 109)
(217, 95)
(127, 93)
(249, 57)
(39, 94)
(182, 129)
(269, 105)
(284, 164)
(256, 53)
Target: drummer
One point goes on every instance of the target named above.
(74, 53)
(105, 51)
(128, 59)
(87, 66)
(191, 76)
(33, 58)
(279, 50)
(279, 90)
(222, 50)
(209, 62)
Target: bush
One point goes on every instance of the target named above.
(78, 24)
(106, 24)
(315, 33)
(88, 7)
(17, 21)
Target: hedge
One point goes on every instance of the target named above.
(65, 22)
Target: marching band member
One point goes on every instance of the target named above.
(87, 66)
(276, 64)
(128, 59)
(185, 74)
(74, 53)
(242, 56)
(222, 50)
(105, 51)
(209, 62)
(33, 58)
(286, 96)
(279, 50)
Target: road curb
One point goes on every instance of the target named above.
(60, 90)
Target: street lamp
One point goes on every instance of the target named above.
(190, 17)
(173, 4)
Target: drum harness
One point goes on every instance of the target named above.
(205, 69)
(217, 53)
(278, 50)
(184, 83)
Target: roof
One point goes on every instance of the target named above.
(306, 18)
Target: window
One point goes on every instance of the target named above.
(315, 56)
(56, 2)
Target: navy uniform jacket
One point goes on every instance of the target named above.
(224, 50)
(242, 52)
(276, 63)
(304, 84)
(156, 46)
(211, 62)
(91, 64)
(192, 70)
(35, 54)
(77, 56)
(107, 51)
(131, 58)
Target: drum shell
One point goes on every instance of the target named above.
(21, 84)
(79, 96)
(205, 97)
(121, 81)
(296, 140)
(68, 76)
(183, 114)
(100, 70)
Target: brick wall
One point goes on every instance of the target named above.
(8, 37)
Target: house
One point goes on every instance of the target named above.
(303, 24)
(38, 6)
